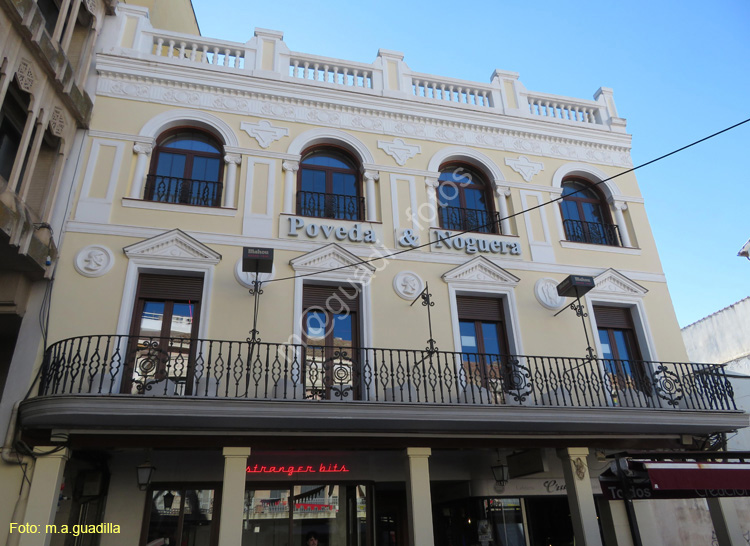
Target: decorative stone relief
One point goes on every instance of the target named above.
(173, 245)
(265, 133)
(480, 271)
(614, 282)
(141, 148)
(399, 150)
(408, 285)
(25, 75)
(246, 279)
(546, 294)
(91, 6)
(527, 169)
(385, 122)
(94, 261)
(57, 122)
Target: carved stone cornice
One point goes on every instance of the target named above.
(141, 148)
(292, 166)
(491, 131)
(236, 159)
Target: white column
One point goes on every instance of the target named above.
(432, 184)
(502, 195)
(232, 160)
(233, 495)
(726, 523)
(136, 188)
(620, 206)
(370, 178)
(44, 494)
(418, 496)
(580, 496)
(290, 183)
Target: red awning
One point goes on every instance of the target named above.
(705, 475)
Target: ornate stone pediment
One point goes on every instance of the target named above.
(614, 282)
(332, 257)
(175, 246)
(481, 271)
(265, 133)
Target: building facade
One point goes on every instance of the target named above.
(306, 295)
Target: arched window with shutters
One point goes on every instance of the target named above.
(586, 217)
(329, 185)
(186, 168)
(465, 200)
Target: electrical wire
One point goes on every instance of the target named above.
(524, 211)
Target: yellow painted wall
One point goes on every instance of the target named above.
(174, 15)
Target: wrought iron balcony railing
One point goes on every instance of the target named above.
(592, 232)
(179, 367)
(477, 220)
(168, 189)
(330, 205)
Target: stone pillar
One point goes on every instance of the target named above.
(33, 155)
(232, 160)
(620, 206)
(233, 495)
(418, 497)
(726, 523)
(60, 21)
(44, 494)
(136, 188)
(613, 518)
(432, 185)
(502, 195)
(21, 152)
(290, 183)
(580, 496)
(70, 25)
(370, 178)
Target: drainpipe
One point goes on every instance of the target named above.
(9, 456)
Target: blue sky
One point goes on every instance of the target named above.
(679, 70)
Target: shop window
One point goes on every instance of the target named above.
(163, 332)
(12, 121)
(586, 217)
(465, 200)
(484, 345)
(338, 514)
(329, 185)
(620, 351)
(183, 515)
(330, 328)
(186, 169)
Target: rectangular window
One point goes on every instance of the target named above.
(330, 328)
(183, 515)
(12, 121)
(162, 335)
(337, 514)
(620, 351)
(484, 346)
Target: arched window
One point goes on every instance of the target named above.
(186, 168)
(586, 216)
(329, 185)
(465, 200)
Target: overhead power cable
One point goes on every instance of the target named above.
(524, 211)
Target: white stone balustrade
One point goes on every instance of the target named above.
(266, 56)
(563, 108)
(454, 91)
(188, 48)
(333, 71)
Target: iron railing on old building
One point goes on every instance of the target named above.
(180, 367)
(169, 189)
(330, 205)
(594, 233)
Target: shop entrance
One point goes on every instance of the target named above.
(338, 514)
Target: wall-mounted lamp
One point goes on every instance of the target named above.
(500, 471)
(145, 471)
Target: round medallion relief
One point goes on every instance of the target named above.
(246, 279)
(94, 261)
(408, 285)
(545, 291)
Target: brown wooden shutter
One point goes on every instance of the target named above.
(170, 287)
(613, 317)
(317, 296)
(476, 308)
